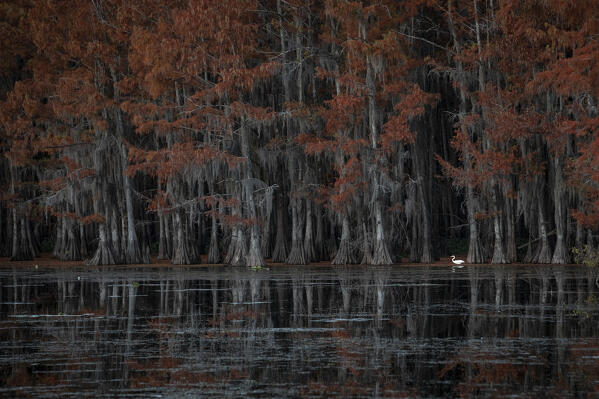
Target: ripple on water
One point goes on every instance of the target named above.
(301, 332)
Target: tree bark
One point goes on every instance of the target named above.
(475, 250)
(254, 256)
(296, 255)
(309, 251)
(320, 240)
(280, 252)
(345, 253)
(162, 242)
(103, 254)
(499, 255)
(544, 252)
(560, 254)
(366, 246)
(183, 254)
(132, 254)
(510, 230)
(213, 251)
(380, 254)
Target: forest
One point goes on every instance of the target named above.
(299, 131)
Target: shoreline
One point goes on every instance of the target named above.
(46, 260)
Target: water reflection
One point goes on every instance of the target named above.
(308, 332)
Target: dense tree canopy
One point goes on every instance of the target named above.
(299, 130)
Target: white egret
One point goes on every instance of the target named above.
(457, 262)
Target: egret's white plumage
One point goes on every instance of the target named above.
(457, 262)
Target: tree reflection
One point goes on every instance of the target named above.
(302, 332)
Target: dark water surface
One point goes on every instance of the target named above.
(300, 332)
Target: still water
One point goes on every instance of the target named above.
(300, 332)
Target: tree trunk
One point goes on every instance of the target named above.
(297, 255)
(117, 240)
(380, 253)
(22, 249)
(560, 255)
(103, 254)
(183, 255)
(415, 248)
(309, 251)
(81, 227)
(544, 252)
(231, 248)
(510, 230)
(319, 241)
(265, 247)
(279, 254)
(254, 256)
(167, 234)
(60, 229)
(213, 251)
(366, 246)
(331, 247)
(426, 256)
(132, 253)
(162, 241)
(475, 250)
(499, 255)
(239, 249)
(345, 253)
(71, 247)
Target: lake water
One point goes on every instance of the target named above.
(300, 332)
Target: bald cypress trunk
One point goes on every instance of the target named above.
(60, 229)
(71, 248)
(239, 249)
(426, 253)
(475, 250)
(367, 246)
(543, 254)
(5, 226)
(231, 248)
(22, 248)
(162, 240)
(296, 255)
(254, 256)
(103, 254)
(499, 255)
(560, 254)
(116, 232)
(132, 253)
(510, 229)
(183, 254)
(213, 251)
(80, 226)
(345, 253)
(280, 252)
(167, 234)
(380, 253)
(265, 244)
(308, 241)
(319, 242)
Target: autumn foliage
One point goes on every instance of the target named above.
(298, 130)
